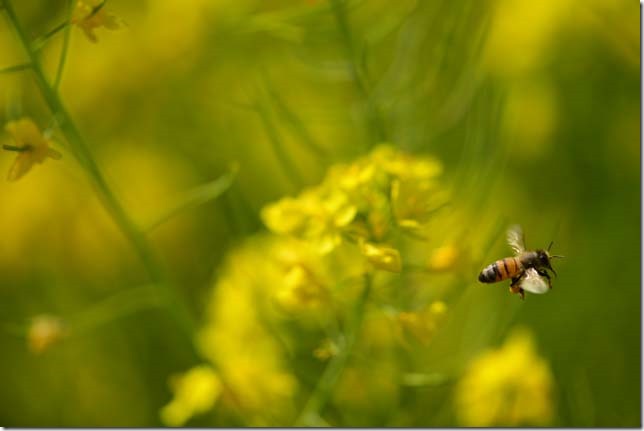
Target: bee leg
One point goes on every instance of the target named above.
(545, 274)
(514, 287)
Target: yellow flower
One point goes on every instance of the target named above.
(44, 331)
(301, 289)
(327, 349)
(91, 14)
(317, 215)
(423, 324)
(32, 147)
(509, 386)
(286, 216)
(196, 391)
(406, 166)
(413, 201)
(236, 337)
(359, 202)
(382, 257)
(443, 258)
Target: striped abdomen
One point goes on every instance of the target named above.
(502, 269)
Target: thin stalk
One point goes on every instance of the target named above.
(16, 68)
(297, 126)
(278, 145)
(111, 308)
(195, 197)
(40, 42)
(174, 302)
(374, 120)
(324, 388)
(63, 50)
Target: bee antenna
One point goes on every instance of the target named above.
(549, 246)
(556, 256)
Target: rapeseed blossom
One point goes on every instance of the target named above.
(508, 386)
(195, 391)
(422, 325)
(235, 336)
(45, 330)
(443, 258)
(363, 203)
(89, 15)
(30, 144)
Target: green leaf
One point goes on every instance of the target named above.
(421, 379)
(196, 197)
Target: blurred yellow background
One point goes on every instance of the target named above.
(529, 110)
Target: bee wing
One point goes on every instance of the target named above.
(533, 282)
(515, 239)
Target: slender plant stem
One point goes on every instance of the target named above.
(195, 197)
(278, 145)
(324, 388)
(374, 120)
(120, 304)
(39, 43)
(174, 302)
(63, 50)
(16, 68)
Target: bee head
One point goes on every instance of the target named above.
(544, 256)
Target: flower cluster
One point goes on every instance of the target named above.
(509, 386)
(366, 202)
(263, 285)
(290, 296)
(196, 391)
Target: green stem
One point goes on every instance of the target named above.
(174, 302)
(111, 308)
(40, 42)
(196, 197)
(8, 147)
(374, 121)
(324, 388)
(63, 50)
(279, 147)
(16, 68)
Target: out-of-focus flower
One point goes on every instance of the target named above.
(414, 201)
(382, 256)
(196, 391)
(509, 386)
(370, 387)
(301, 289)
(423, 324)
(327, 349)
(32, 147)
(89, 15)
(443, 258)
(406, 166)
(361, 202)
(235, 336)
(45, 331)
(521, 35)
(313, 215)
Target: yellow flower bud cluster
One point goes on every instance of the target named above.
(422, 325)
(508, 386)
(363, 202)
(195, 391)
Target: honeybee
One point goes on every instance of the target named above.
(527, 269)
